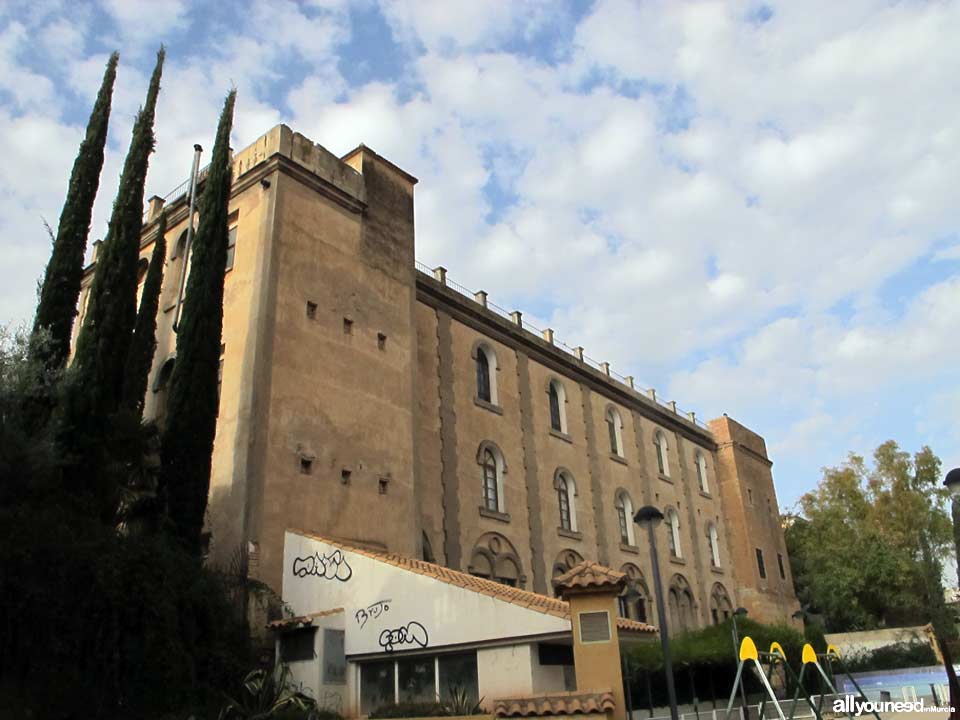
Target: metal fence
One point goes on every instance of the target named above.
(574, 351)
(180, 190)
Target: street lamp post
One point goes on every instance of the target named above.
(648, 517)
(629, 597)
(952, 481)
(741, 612)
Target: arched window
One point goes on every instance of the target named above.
(681, 604)
(566, 499)
(566, 560)
(180, 247)
(660, 443)
(615, 431)
(702, 473)
(624, 507)
(142, 268)
(633, 600)
(491, 494)
(495, 558)
(714, 539)
(161, 386)
(720, 606)
(492, 469)
(558, 401)
(673, 533)
(486, 362)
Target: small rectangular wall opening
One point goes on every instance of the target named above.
(381, 341)
(383, 484)
(347, 326)
(298, 645)
(345, 476)
(311, 310)
(306, 466)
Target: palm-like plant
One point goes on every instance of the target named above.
(460, 702)
(265, 694)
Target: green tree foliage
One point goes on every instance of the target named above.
(27, 464)
(93, 387)
(144, 342)
(100, 619)
(192, 405)
(104, 339)
(96, 623)
(61, 282)
(857, 546)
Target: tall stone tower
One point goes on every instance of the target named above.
(755, 535)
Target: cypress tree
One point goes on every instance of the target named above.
(104, 339)
(94, 383)
(61, 281)
(187, 443)
(144, 341)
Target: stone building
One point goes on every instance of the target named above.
(367, 400)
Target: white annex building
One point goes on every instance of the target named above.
(372, 628)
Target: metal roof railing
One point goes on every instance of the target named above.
(180, 190)
(440, 274)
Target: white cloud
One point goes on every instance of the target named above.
(690, 191)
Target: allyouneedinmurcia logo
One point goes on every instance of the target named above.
(851, 704)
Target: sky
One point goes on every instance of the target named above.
(749, 206)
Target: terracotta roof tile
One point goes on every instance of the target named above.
(301, 620)
(571, 703)
(589, 575)
(524, 598)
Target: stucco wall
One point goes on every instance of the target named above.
(339, 234)
(358, 583)
(505, 671)
(308, 675)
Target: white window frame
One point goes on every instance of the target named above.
(673, 523)
(660, 440)
(714, 538)
(623, 498)
(500, 470)
(614, 414)
(702, 472)
(566, 477)
(561, 404)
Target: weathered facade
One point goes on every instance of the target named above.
(366, 400)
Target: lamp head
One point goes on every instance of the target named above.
(952, 481)
(798, 615)
(648, 516)
(740, 612)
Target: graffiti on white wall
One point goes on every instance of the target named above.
(413, 633)
(372, 612)
(333, 566)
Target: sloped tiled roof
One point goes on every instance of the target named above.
(589, 575)
(301, 620)
(524, 598)
(570, 703)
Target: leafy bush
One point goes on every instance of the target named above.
(914, 653)
(96, 624)
(269, 694)
(713, 645)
